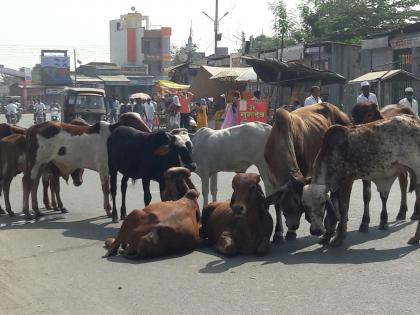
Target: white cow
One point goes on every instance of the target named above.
(230, 150)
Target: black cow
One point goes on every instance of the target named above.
(148, 156)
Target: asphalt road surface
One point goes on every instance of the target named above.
(55, 266)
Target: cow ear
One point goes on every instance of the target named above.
(276, 198)
(162, 150)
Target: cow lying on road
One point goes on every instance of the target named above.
(290, 152)
(161, 228)
(136, 154)
(367, 112)
(242, 225)
(377, 151)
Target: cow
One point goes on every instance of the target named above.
(291, 149)
(378, 151)
(177, 183)
(367, 112)
(70, 147)
(232, 149)
(161, 228)
(241, 225)
(142, 155)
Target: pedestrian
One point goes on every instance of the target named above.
(314, 98)
(113, 116)
(409, 100)
(125, 108)
(202, 111)
(366, 95)
(185, 111)
(139, 108)
(257, 96)
(231, 112)
(149, 110)
(10, 109)
(173, 114)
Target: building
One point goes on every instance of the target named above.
(397, 49)
(136, 45)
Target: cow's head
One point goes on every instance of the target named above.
(133, 120)
(77, 177)
(363, 113)
(288, 197)
(248, 197)
(177, 183)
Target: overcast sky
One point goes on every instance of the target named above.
(27, 26)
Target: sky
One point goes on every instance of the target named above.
(27, 26)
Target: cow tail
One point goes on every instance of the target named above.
(413, 181)
(205, 215)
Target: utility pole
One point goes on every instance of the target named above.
(216, 21)
(75, 72)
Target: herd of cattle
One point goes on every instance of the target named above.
(308, 161)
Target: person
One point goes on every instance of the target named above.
(257, 96)
(114, 104)
(231, 118)
(202, 111)
(11, 108)
(185, 101)
(149, 110)
(409, 101)
(366, 95)
(314, 97)
(139, 108)
(39, 108)
(173, 114)
(124, 108)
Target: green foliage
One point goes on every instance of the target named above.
(182, 54)
(351, 21)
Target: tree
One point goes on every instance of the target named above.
(8, 80)
(351, 21)
(182, 54)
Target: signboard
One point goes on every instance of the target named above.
(404, 42)
(253, 110)
(28, 76)
(53, 91)
(55, 70)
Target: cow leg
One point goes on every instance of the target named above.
(113, 177)
(205, 188)
(416, 213)
(146, 191)
(46, 199)
(416, 238)
(383, 225)
(56, 187)
(343, 202)
(6, 189)
(34, 196)
(403, 179)
(278, 230)
(105, 190)
(367, 195)
(213, 186)
(226, 245)
(123, 210)
(27, 183)
(330, 224)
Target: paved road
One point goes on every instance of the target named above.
(55, 267)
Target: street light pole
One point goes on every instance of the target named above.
(216, 21)
(75, 72)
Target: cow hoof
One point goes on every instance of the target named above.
(114, 220)
(39, 214)
(413, 241)
(48, 207)
(401, 216)
(278, 239)
(325, 240)
(2, 211)
(415, 217)
(11, 214)
(383, 226)
(109, 214)
(290, 236)
(123, 217)
(364, 228)
(336, 242)
(28, 216)
(64, 210)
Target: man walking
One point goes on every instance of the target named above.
(185, 101)
(149, 113)
(366, 95)
(314, 97)
(410, 101)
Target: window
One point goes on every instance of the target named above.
(403, 59)
(118, 26)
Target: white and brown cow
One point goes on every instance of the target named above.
(378, 151)
(69, 147)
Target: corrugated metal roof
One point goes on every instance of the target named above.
(117, 79)
(383, 76)
(216, 70)
(82, 78)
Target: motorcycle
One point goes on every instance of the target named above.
(55, 114)
(13, 119)
(39, 117)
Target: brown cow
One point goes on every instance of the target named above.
(367, 112)
(177, 183)
(290, 152)
(242, 225)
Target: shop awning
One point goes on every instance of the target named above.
(173, 85)
(397, 75)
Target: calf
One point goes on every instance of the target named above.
(161, 228)
(138, 154)
(377, 151)
(242, 225)
(367, 112)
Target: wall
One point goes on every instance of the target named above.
(118, 44)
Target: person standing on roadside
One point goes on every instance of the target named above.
(366, 96)
(409, 100)
(149, 110)
(185, 111)
(314, 98)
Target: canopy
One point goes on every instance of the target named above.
(228, 74)
(173, 85)
(385, 76)
(248, 75)
(287, 74)
(142, 96)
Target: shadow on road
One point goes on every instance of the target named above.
(289, 253)
(83, 229)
